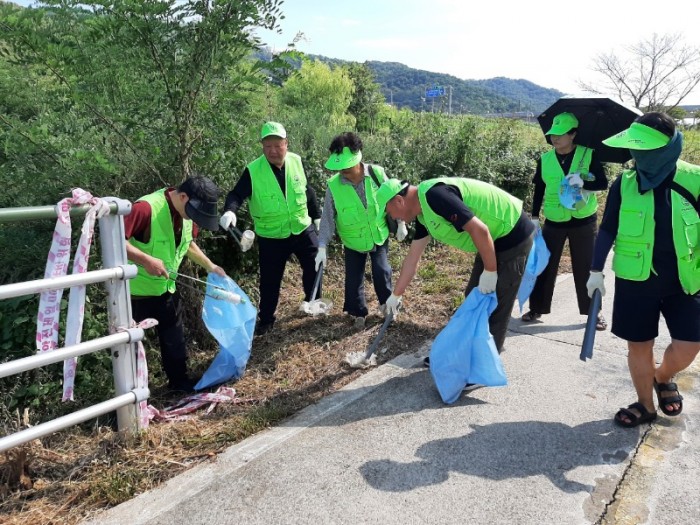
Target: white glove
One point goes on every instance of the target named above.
(320, 258)
(392, 305)
(575, 180)
(596, 282)
(317, 224)
(535, 222)
(227, 220)
(487, 281)
(401, 230)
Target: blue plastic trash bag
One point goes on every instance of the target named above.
(536, 263)
(572, 197)
(464, 351)
(232, 325)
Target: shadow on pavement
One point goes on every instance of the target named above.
(502, 451)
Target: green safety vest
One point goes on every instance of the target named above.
(497, 209)
(634, 244)
(359, 228)
(160, 245)
(553, 175)
(277, 216)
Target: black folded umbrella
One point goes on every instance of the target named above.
(599, 118)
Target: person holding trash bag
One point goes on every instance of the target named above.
(651, 217)
(473, 216)
(351, 207)
(161, 229)
(283, 207)
(575, 166)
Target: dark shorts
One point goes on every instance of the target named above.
(636, 317)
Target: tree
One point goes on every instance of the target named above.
(148, 78)
(654, 74)
(367, 98)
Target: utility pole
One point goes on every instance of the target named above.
(449, 105)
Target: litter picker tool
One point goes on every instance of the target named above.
(317, 306)
(214, 291)
(243, 240)
(589, 333)
(369, 358)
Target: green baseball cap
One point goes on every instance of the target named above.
(638, 136)
(388, 190)
(343, 160)
(562, 124)
(273, 129)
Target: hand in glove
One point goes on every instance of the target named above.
(317, 224)
(320, 258)
(401, 230)
(227, 220)
(393, 303)
(575, 180)
(487, 281)
(596, 282)
(535, 222)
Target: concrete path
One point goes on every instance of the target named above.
(386, 450)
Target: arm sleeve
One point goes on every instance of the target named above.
(446, 201)
(600, 181)
(240, 192)
(327, 231)
(421, 231)
(608, 227)
(538, 196)
(312, 203)
(138, 221)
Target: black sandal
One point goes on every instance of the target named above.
(666, 401)
(634, 419)
(531, 316)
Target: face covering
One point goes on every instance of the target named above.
(654, 165)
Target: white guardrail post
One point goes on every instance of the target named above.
(113, 245)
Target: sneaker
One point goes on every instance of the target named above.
(426, 362)
(531, 316)
(471, 386)
(359, 323)
(262, 329)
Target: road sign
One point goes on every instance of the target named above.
(437, 91)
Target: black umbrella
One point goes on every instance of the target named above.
(599, 118)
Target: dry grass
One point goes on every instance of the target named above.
(75, 474)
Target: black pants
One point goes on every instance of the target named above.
(167, 310)
(355, 262)
(581, 241)
(510, 265)
(272, 257)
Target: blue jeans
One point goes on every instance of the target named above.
(355, 262)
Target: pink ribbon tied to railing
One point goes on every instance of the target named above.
(57, 266)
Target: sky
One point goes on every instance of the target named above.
(550, 43)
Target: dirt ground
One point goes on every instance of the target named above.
(71, 475)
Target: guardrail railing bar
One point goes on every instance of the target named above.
(28, 213)
(8, 291)
(61, 423)
(18, 366)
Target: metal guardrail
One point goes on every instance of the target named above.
(121, 343)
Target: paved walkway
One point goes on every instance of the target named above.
(386, 450)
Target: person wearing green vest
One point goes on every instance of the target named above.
(351, 207)
(651, 218)
(472, 216)
(161, 229)
(573, 166)
(283, 207)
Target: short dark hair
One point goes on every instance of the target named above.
(659, 121)
(347, 139)
(572, 130)
(200, 188)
